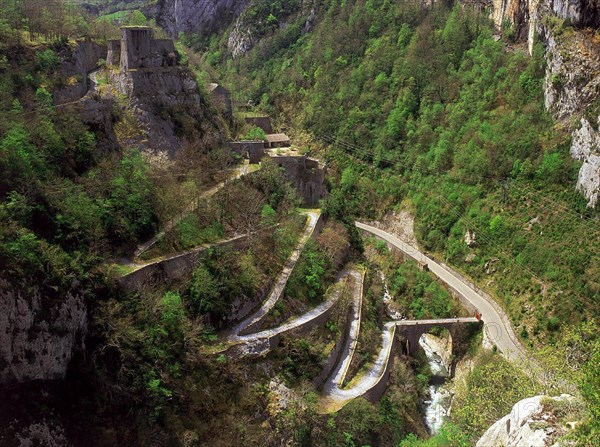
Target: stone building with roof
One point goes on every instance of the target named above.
(276, 140)
(221, 99)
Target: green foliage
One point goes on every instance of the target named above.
(43, 98)
(268, 216)
(19, 158)
(552, 167)
(449, 435)
(47, 60)
(190, 232)
(205, 292)
(132, 192)
(490, 391)
(575, 358)
(307, 279)
(136, 18)
(157, 393)
(314, 274)
(262, 15)
(255, 133)
(172, 312)
(420, 294)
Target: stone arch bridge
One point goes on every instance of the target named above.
(459, 328)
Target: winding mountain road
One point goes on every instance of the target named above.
(141, 249)
(339, 374)
(335, 397)
(259, 342)
(254, 320)
(497, 326)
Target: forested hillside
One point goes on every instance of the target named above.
(146, 294)
(428, 109)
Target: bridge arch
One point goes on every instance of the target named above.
(459, 329)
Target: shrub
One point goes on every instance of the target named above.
(47, 60)
(256, 133)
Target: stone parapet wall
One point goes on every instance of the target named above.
(374, 393)
(307, 176)
(166, 271)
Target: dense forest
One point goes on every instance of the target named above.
(454, 124)
(421, 109)
(430, 110)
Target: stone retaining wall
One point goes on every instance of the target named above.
(377, 390)
(175, 267)
(263, 122)
(253, 150)
(307, 176)
(77, 63)
(333, 358)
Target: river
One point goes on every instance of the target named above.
(438, 402)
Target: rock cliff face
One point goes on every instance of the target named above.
(206, 17)
(38, 336)
(571, 87)
(519, 13)
(572, 83)
(246, 32)
(580, 12)
(532, 422)
(157, 97)
(198, 16)
(77, 62)
(586, 147)
(515, 12)
(241, 39)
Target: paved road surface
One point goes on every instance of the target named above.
(339, 374)
(259, 338)
(336, 397)
(255, 319)
(496, 326)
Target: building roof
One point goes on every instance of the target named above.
(277, 138)
(212, 86)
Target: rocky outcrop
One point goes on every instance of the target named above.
(248, 29)
(198, 16)
(532, 422)
(158, 98)
(579, 12)
(241, 39)
(571, 94)
(76, 62)
(586, 147)
(96, 114)
(572, 79)
(39, 335)
(513, 12)
(521, 13)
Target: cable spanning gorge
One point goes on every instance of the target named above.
(246, 338)
(249, 338)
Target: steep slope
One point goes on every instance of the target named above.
(572, 74)
(198, 16)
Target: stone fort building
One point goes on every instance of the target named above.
(139, 49)
(147, 71)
